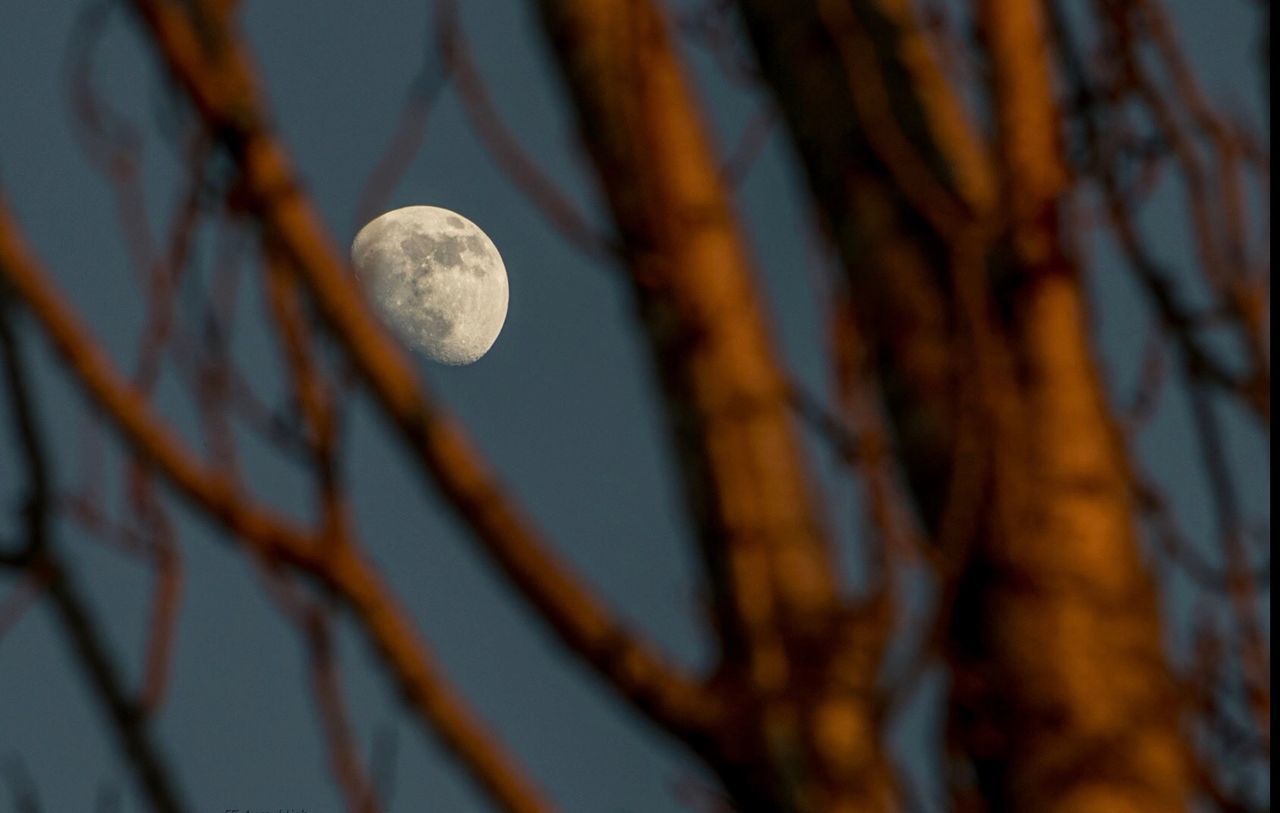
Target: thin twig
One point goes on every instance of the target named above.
(357, 789)
(405, 141)
(86, 637)
(505, 148)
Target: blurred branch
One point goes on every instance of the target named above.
(1063, 724)
(1179, 550)
(1176, 317)
(712, 25)
(41, 561)
(130, 413)
(918, 168)
(405, 141)
(750, 143)
(312, 393)
(276, 541)
(1247, 302)
(1214, 199)
(222, 85)
(1242, 588)
(167, 563)
(1201, 371)
(111, 142)
(23, 595)
(37, 505)
(344, 756)
(161, 545)
(766, 551)
(505, 148)
(879, 132)
(1151, 380)
(166, 273)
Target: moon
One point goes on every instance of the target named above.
(436, 279)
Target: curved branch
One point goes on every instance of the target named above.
(504, 147)
(341, 569)
(221, 85)
(43, 565)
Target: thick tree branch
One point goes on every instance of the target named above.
(339, 568)
(802, 733)
(724, 386)
(1059, 611)
(900, 183)
(211, 65)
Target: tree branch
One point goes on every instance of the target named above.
(1059, 610)
(505, 148)
(339, 568)
(38, 558)
(899, 179)
(221, 85)
(763, 537)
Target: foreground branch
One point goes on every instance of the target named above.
(218, 78)
(800, 733)
(1063, 701)
(341, 569)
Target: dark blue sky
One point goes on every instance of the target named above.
(563, 406)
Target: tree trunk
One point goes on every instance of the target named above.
(1062, 699)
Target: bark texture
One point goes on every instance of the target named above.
(1056, 609)
(800, 732)
(967, 292)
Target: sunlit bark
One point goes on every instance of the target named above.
(801, 734)
(1062, 696)
(1063, 699)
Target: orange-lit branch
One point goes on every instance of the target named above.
(1218, 235)
(1060, 610)
(129, 412)
(266, 535)
(222, 86)
(761, 530)
(880, 133)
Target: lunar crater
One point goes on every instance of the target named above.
(436, 279)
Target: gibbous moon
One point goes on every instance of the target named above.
(437, 280)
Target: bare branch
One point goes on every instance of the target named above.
(505, 148)
(343, 754)
(221, 86)
(266, 536)
(42, 563)
(405, 140)
(31, 585)
(164, 622)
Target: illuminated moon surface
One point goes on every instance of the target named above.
(437, 280)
